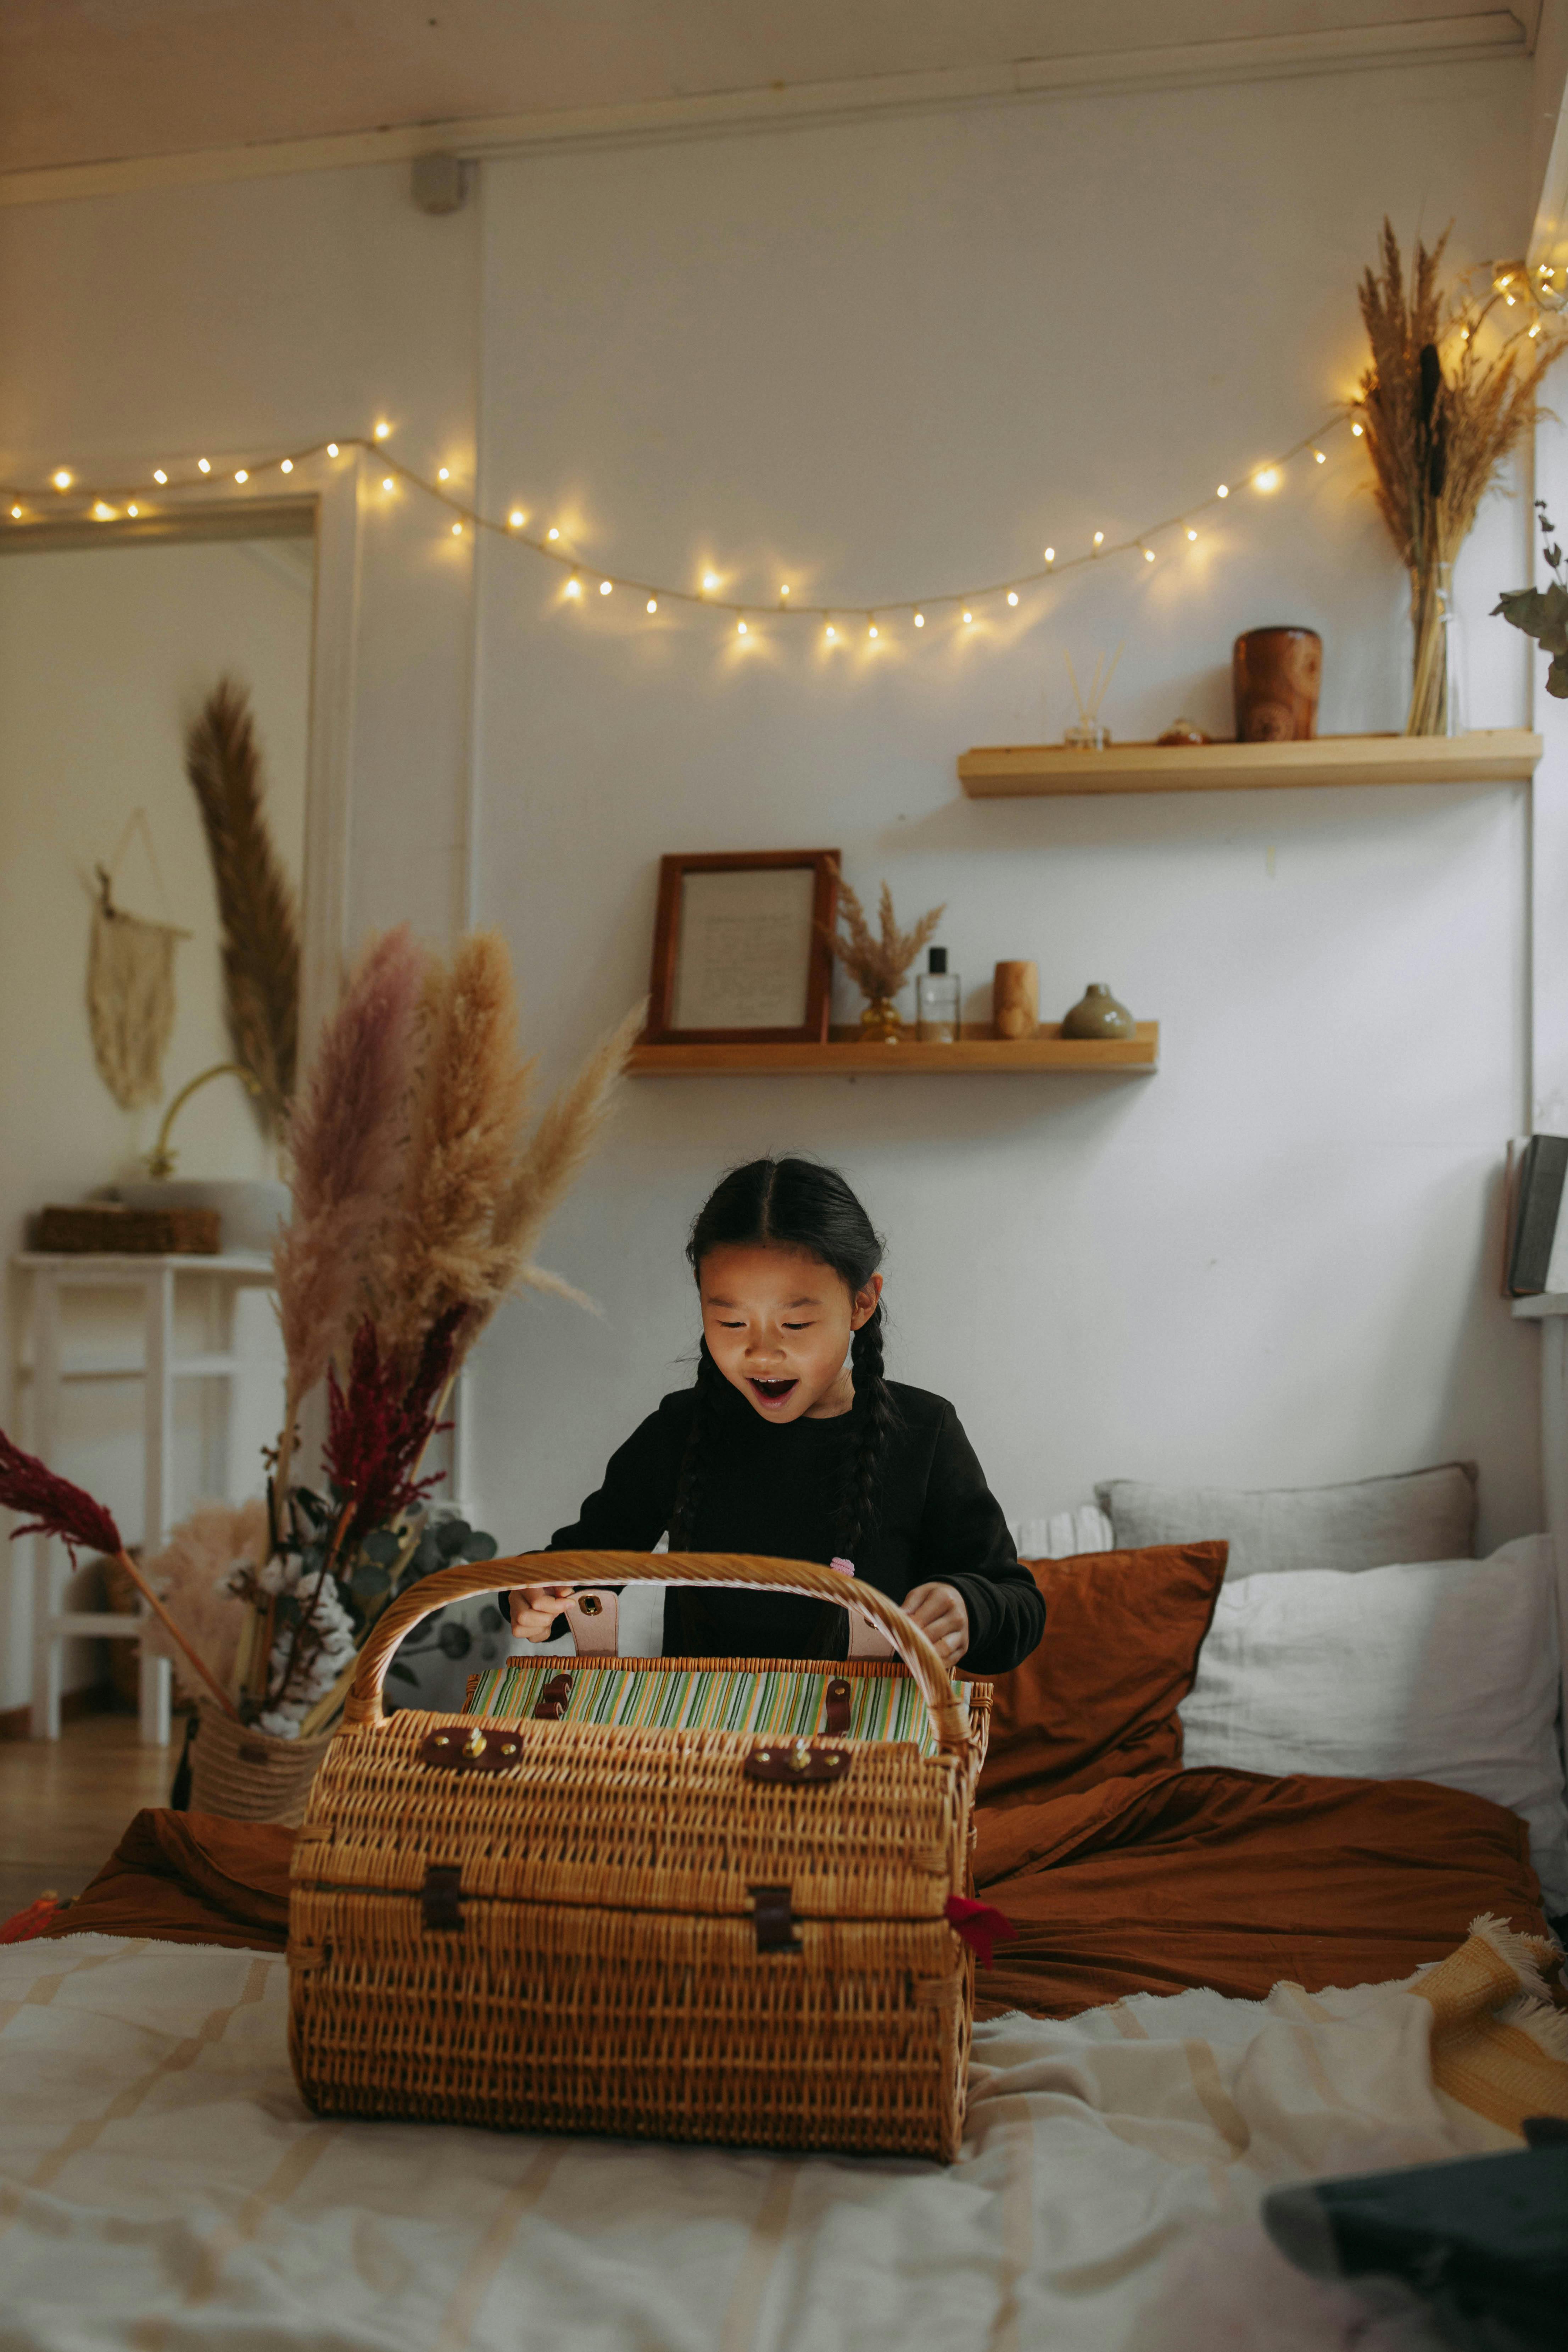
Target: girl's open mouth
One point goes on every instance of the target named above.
(773, 1392)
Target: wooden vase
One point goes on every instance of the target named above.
(1016, 1001)
(1275, 674)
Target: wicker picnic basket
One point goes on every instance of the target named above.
(695, 1934)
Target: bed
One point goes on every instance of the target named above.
(1220, 1980)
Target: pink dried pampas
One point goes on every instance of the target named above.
(347, 1139)
(191, 1572)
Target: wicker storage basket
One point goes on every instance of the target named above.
(694, 1934)
(248, 1775)
(100, 1226)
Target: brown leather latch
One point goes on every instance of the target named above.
(439, 1896)
(835, 1707)
(796, 1763)
(774, 1920)
(472, 1750)
(551, 1702)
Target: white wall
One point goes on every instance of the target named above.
(104, 654)
(882, 359)
(890, 356)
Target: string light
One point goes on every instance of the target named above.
(132, 510)
(741, 630)
(382, 430)
(1266, 477)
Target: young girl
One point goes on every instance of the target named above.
(791, 1443)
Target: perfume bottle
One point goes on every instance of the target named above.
(937, 1002)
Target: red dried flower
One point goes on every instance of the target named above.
(377, 1427)
(58, 1508)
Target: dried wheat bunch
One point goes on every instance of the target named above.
(879, 967)
(1443, 401)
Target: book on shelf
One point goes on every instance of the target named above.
(1536, 1254)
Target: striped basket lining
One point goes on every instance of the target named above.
(780, 1702)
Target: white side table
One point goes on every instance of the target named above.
(158, 1369)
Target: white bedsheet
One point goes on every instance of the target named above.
(162, 2186)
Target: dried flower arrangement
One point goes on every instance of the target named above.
(1449, 392)
(879, 966)
(1543, 613)
(418, 1200)
(256, 900)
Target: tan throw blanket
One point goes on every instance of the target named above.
(163, 2187)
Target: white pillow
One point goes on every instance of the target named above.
(1416, 1514)
(1435, 1670)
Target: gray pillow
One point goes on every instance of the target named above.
(1372, 1523)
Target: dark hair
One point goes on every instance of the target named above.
(796, 1205)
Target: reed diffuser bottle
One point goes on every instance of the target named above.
(937, 1001)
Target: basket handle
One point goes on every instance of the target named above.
(734, 1571)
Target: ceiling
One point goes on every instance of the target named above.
(93, 81)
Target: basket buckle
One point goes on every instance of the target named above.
(796, 1763)
(473, 1750)
(774, 1920)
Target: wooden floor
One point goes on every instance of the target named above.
(63, 1802)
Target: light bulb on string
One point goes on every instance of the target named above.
(709, 582)
(1012, 595)
(1099, 539)
(653, 604)
(968, 618)
(920, 620)
(830, 633)
(286, 466)
(456, 531)
(203, 467)
(61, 480)
(133, 511)
(552, 533)
(1191, 533)
(784, 589)
(1358, 430)
(103, 513)
(605, 586)
(741, 629)
(517, 519)
(242, 476)
(159, 476)
(15, 514)
(1147, 555)
(443, 472)
(332, 448)
(1223, 491)
(873, 630)
(573, 586)
(1050, 555)
(382, 430)
(1266, 478)
(387, 483)
(1320, 457)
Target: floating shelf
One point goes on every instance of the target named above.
(1492, 755)
(847, 1056)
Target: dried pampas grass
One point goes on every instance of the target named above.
(879, 967)
(348, 1140)
(1444, 402)
(256, 900)
(439, 1251)
(190, 1574)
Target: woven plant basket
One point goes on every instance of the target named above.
(247, 1775)
(686, 1934)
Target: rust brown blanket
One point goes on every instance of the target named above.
(1233, 1880)
(190, 1878)
(1142, 1884)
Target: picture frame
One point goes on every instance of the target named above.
(741, 948)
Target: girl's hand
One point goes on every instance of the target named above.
(940, 1614)
(531, 1616)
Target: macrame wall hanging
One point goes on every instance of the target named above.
(131, 986)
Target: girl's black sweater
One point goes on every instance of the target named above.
(774, 1488)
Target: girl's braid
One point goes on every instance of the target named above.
(693, 1462)
(874, 1418)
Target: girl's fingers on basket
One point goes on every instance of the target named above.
(940, 1614)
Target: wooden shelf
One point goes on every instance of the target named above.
(1492, 755)
(846, 1057)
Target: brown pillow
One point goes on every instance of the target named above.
(1099, 1697)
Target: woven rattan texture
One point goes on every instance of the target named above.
(602, 1968)
(247, 1775)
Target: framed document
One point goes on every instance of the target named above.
(738, 956)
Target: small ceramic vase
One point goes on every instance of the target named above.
(879, 1022)
(1183, 731)
(1098, 1014)
(1275, 674)
(1016, 1001)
